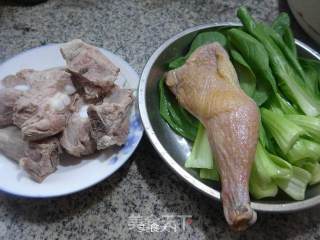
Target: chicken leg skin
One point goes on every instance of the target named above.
(207, 86)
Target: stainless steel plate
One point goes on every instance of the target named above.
(175, 149)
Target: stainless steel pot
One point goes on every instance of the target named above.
(175, 149)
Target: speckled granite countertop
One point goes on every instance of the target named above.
(145, 185)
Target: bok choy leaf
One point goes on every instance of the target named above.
(313, 167)
(308, 123)
(282, 26)
(295, 186)
(284, 131)
(210, 174)
(312, 70)
(246, 77)
(178, 119)
(304, 149)
(288, 72)
(261, 184)
(200, 40)
(201, 155)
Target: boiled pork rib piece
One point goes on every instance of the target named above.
(207, 86)
(38, 159)
(8, 98)
(21, 78)
(76, 138)
(42, 111)
(92, 71)
(110, 120)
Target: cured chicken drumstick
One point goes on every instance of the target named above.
(207, 86)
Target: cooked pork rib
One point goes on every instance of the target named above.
(38, 159)
(8, 98)
(49, 106)
(76, 138)
(207, 86)
(110, 119)
(43, 110)
(18, 79)
(92, 71)
(11, 143)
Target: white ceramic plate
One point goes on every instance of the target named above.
(92, 169)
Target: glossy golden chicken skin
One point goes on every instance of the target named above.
(207, 86)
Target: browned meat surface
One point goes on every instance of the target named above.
(8, 98)
(110, 119)
(92, 71)
(76, 138)
(38, 159)
(43, 110)
(207, 86)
